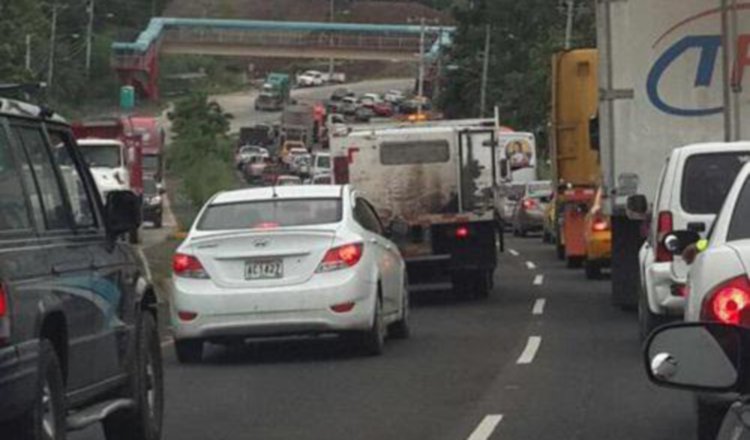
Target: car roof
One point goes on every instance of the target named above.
(98, 141)
(718, 147)
(281, 192)
(12, 107)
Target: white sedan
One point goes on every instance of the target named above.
(718, 283)
(287, 261)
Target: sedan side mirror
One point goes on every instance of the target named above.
(696, 356)
(637, 207)
(677, 241)
(122, 212)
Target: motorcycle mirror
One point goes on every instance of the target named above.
(695, 356)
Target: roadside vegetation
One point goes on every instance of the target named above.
(200, 156)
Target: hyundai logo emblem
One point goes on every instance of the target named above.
(261, 243)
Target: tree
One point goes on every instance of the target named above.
(524, 37)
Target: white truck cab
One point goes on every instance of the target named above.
(108, 160)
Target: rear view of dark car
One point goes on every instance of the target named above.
(78, 338)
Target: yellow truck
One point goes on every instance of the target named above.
(575, 160)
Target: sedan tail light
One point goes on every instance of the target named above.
(341, 257)
(663, 228)
(728, 302)
(188, 266)
(4, 316)
(600, 224)
(529, 204)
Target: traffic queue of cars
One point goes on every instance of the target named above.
(363, 108)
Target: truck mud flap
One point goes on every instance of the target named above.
(626, 242)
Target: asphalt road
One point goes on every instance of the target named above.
(470, 371)
(240, 104)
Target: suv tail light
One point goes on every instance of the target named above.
(341, 257)
(728, 301)
(663, 227)
(187, 266)
(4, 316)
(462, 232)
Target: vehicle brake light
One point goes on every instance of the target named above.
(462, 232)
(4, 317)
(529, 204)
(266, 225)
(3, 303)
(187, 266)
(663, 227)
(186, 316)
(600, 224)
(341, 257)
(343, 307)
(727, 302)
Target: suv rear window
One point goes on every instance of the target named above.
(412, 153)
(739, 227)
(708, 178)
(270, 213)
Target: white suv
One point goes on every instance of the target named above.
(692, 188)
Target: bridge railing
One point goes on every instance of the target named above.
(392, 42)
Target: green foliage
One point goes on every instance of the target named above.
(201, 153)
(524, 37)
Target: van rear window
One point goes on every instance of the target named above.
(708, 178)
(413, 153)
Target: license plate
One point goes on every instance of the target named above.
(264, 269)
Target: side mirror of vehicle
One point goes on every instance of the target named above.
(122, 212)
(637, 207)
(677, 241)
(696, 356)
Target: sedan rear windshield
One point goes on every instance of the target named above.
(707, 180)
(739, 227)
(270, 213)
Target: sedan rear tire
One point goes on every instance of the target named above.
(373, 340)
(401, 329)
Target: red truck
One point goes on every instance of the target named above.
(152, 142)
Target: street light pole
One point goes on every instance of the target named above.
(330, 60)
(420, 85)
(485, 71)
(52, 38)
(89, 35)
(27, 63)
(569, 24)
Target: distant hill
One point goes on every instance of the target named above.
(376, 12)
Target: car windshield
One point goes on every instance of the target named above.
(102, 156)
(707, 178)
(739, 225)
(280, 213)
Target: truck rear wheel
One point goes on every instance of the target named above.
(626, 241)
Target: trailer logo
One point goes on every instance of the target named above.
(708, 48)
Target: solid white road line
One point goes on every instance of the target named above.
(486, 427)
(539, 306)
(538, 280)
(529, 352)
(513, 252)
(530, 265)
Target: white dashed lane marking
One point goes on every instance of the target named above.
(538, 280)
(486, 427)
(530, 265)
(532, 346)
(539, 306)
(513, 252)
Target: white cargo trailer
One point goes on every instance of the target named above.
(666, 81)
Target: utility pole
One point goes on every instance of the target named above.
(27, 64)
(485, 71)
(420, 85)
(726, 71)
(52, 38)
(569, 24)
(330, 60)
(89, 35)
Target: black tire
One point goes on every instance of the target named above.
(144, 422)
(189, 351)
(522, 232)
(546, 237)
(158, 221)
(372, 341)
(574, 262)
(483, 284)
(30, 426)
(401, 329)
(593, 269)
(559, 249)
(134, 236)
(648, 321)
(710, 416)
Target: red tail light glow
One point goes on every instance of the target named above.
(186, 316)
(728, 302)
(341, 257)
(4, 317)
(266, 225)
(600, 224)
(343, 307)
(3, 303)
(462, 232)
(529, 204)
(187, 266)
(663, 227)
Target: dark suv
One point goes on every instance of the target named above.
(78, 336)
